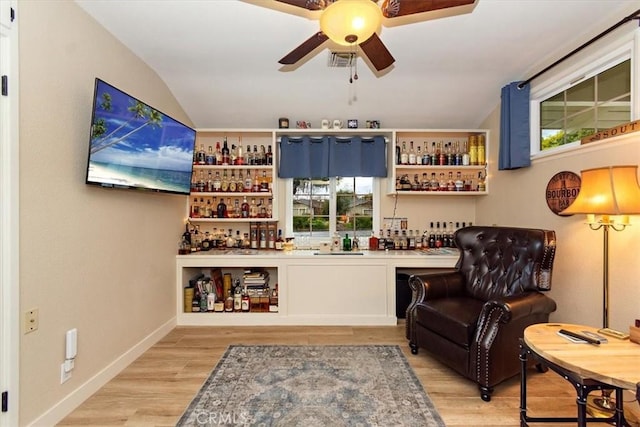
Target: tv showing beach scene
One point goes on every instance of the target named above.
(135, 146)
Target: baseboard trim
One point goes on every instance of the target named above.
(65, 406)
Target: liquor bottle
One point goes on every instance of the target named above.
(195, 209)
(244, 208)
(240, 182)
(201, 183)
(404, 155)
(271, 236)
(210, 157)
(481, 150)
(270, 209)
(473, 150)
(248, 182)
(438, 235)
(194, 182)
(457, 154)
(434, 154)
(253, 235)
(248, 157)
(262, 236)
(237, 298)
(459, 183)
(233, 184)
(233, 155)
(256, 156)
(412, 154)
(255, 185)
(228, 302)
(416, 185)
(253, 209)
(426, 158)
(264, 182)
(450, 154)
(211, 300)
(411, 241)
(381, 241)
(224, 187)
(226, 154)
(217, 182)
(432, 236)
(208, 187)
(236, 213)
(398, 155)
(269, 158)
(451, 185)
(208, 209)
(221, 209)
(482, 185)
(465, 153)
(442, 157)
(346, 243)
(442, 182)
(373, 242)
(418, 238)
(434, 185)
(239, 156)
(218, 154)
(246, 301)
(279, 241)
(263, 155)
(424, 184)
(201, 155)
(445, 235)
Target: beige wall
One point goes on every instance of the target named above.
(518, 198)
(98, 260)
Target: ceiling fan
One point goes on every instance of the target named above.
(356, 22)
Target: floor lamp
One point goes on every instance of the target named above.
(608, 195)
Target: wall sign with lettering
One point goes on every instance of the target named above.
(562, 190)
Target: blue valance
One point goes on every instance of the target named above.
(515, 146)
(331, 156)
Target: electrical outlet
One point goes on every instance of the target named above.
(64, 375)
(31, 320)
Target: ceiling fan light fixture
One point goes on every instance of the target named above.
(350, 21)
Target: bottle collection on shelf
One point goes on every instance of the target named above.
(463, 152)
(261, 235)
(461, 182)
(220, 293)
(230, 183)
(440, 236)
(235, 156)
(210, 207)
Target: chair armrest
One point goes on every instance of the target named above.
(430, 286)
(516, 307)
(435, 285)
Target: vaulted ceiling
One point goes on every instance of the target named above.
(220, 58)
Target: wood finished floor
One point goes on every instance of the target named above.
(156, 388)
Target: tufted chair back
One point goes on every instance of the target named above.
(504, 261)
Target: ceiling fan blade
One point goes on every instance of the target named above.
(377, 52)
(305, 4)
(395, 8)
(307, 46)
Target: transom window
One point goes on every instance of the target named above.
(599, 102)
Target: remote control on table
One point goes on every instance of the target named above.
(579, 336)
(595, 336)
(614, 334)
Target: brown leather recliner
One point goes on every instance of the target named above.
(471, 319)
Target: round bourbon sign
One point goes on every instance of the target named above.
(562, 190)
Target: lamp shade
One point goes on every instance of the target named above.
(611, 190)
(350, 21)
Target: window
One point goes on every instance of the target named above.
(585, 107)
(323, 206)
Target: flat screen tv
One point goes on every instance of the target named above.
(135, 146)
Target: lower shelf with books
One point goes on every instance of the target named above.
(294, 288)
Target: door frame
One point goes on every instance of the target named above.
(9, 216)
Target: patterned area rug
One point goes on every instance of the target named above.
(329, 386)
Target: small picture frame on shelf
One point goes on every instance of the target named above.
(373, 124)
(352, 124)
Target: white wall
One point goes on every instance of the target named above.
(99, 260)
(517, 198)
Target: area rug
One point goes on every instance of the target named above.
(329, 386)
